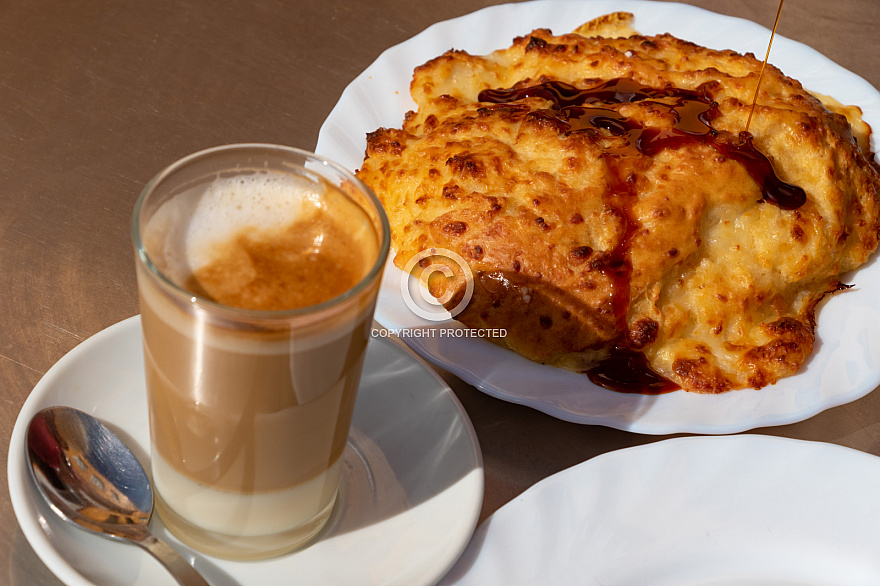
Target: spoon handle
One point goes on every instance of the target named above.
(184, 573)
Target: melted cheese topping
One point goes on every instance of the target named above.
(718, 288)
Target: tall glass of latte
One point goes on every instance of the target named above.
(258, 268)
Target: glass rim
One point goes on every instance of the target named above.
(262, 314)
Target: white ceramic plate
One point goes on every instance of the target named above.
(720, 511)
(846, 360)
(411, 493)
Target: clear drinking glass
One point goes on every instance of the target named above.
(258, 268)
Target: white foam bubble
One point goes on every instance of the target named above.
(265, 200)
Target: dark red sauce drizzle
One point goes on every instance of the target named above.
(693, 111)
(627, 371)
(581, 110)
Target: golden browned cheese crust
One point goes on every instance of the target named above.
(576, 246)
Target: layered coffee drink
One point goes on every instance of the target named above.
(253, 353)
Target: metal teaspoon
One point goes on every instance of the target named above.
(92, 480)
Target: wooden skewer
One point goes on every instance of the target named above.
(766, 57)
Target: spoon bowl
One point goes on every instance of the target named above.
(91, 479)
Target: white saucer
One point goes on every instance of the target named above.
(411, 493)
(697, 511)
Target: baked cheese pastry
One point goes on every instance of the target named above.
(616, 216)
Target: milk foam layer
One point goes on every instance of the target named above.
(183, 233)
(261, 201)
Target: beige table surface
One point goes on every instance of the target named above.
(98, 95)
